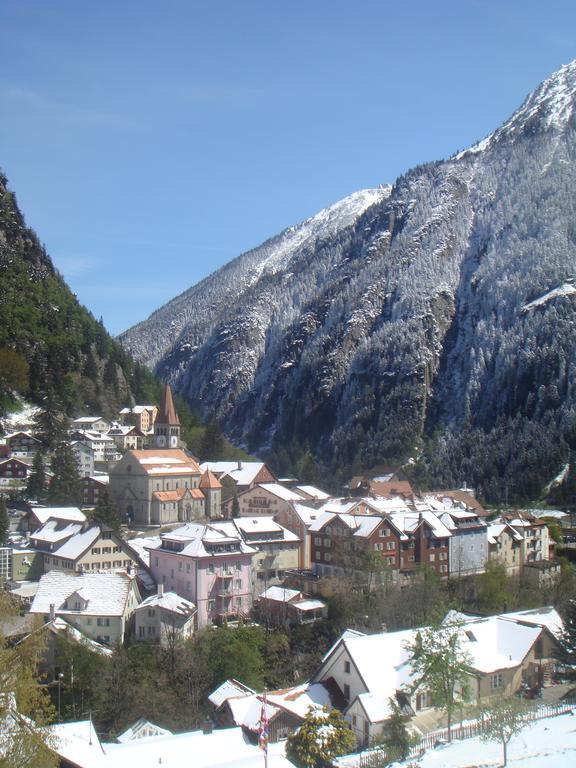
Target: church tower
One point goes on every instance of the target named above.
(167, 424)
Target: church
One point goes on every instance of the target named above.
(163, 484)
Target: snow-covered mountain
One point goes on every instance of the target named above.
(436, 315)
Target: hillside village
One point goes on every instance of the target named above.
(162, 547)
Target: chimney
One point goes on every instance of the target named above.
(52, 612)
(239, 464)
(160, 589)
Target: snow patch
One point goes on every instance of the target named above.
(566, 289)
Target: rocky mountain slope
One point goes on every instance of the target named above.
(49, 343)
(431, 319)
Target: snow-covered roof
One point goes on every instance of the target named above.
(229, 688)
(78, 744)
(243, 472)
(169, 601)
(165, 462)
(279, 594)
(86, 419)
(311, 491)
(142, 545)
(104, 479)
(306, 514)
(226, 747)
(252, 526)
(495, 530)
(61, 627)
(106, 592)
(543, 617)
(73, 514)
(308, 605)
(195, 536)
(79, 543)
(54, 531)
(280, 491)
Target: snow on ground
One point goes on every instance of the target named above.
(549, 743)
(13, 422)
(566, 289)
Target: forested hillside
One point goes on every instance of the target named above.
(433, 321)
(49, 343)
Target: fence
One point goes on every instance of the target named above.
(377, 757)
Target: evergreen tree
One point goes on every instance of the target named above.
(106, 511)
(566, 653)
(65, 487)
(36, 486)
(4, 521)
(398, 740)
(235, 506)
(212, 444)
(321, 737)
(50, 422)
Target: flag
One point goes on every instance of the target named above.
(263, 733)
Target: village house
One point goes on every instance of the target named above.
(91, 424)
(104, 449)
(93, 487)
(127, 437)
(342, 544)
(22, 444)
(140, 416)
(372, 671)
(284, 607)
(238, 476)
(535, 538)
(36, 516)
(505, 546)
(298, 517)
(164, 618)
(468, 545)
(14, 472)
(237, 705)
(98, 604)
(84, 454)
(262, 499)
(277, 549)
(92, 548)
(208, 564)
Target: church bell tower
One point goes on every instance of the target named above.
(167, 424)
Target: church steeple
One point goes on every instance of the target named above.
(167, 424)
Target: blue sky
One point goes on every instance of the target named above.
(148, 143)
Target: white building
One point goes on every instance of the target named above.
(164, 618)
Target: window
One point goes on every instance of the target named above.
(327, 557)
(318, 541)
(382, 532)
(347, 667)
(141, 631)
(151, 630)
(180, 565)
(187, 567)
(95, 550)
(211, 568)
(211, 604)
(390, 545)
(346, 691)
(238, 565)
(442, 555)
(103, 622)
(497, 681)
(354, 720)
(443, 569)
(171, 573)
(156, 562)
(432, 557)
(390, 560)
(238, 602)
(238, 583)
(327, 543)
(151, 612)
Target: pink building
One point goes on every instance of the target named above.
(208, 564)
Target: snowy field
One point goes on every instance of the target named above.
(549, 743)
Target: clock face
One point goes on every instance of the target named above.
(174, 441)
(161, 440)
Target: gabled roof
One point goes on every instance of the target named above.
(242, 472)
(55, 531)
(72, 514)
(280, 491)
(311, 492)
(107, 592)
(165, 462)
(78, 544)
(229, 688)
(171, 602)
(142, 728)
(495, 530)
